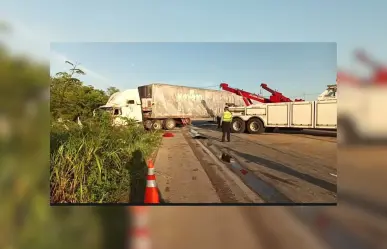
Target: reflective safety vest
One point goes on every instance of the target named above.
(227, 116)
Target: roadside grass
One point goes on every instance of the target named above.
(98, 163)
(26, 221)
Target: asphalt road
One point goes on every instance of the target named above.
(302, 167)
(185, 173)
(358, 222)
(228, 228)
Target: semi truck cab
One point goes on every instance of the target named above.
(125, 104)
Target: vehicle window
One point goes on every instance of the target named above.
(116, 112)
(130, 102)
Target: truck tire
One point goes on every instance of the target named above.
(148, 124)
(169, 124)
(157, 125)
(238, 125)
(255, 126)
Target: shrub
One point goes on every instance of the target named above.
(98, 162)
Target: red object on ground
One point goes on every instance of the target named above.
(168, 134)
(322, 221)
(244, 172)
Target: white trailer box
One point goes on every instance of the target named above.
(160, 101)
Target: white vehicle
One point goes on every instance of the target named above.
(124, 104)
(160, 106)
(362, 117)
(259, 118)
(329, 93)
(361, 113)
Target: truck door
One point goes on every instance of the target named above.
(133, 110)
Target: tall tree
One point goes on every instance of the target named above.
(71, 98)
(111, 90)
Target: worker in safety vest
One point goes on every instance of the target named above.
(226, 124)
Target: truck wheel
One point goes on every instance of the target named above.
(238, 125)
(148, 124)
(170, 124)
(157, 125)
(255, 126)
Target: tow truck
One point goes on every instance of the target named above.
(361, 117)
(279, 111)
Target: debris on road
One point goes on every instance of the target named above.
(168, 134)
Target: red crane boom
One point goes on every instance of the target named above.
(276, 97)
(379, 71)
(247, 97)
(379, 76)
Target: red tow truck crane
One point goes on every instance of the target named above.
(379, 75)
(369, 124)
(379, 71)
(247, 97)
(276, 97)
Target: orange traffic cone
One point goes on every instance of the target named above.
(139, 236)
(151, 168)
(151, 193)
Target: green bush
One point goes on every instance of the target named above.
(26, 218)
(98, 162)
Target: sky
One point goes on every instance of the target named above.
(352, 24)
(291, 66)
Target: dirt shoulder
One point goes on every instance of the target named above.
(180, 176)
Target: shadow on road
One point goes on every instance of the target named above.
(138, 169)
(209, 125)
(239, 139)
(317, 133)
(284, 169)
(114, 224)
